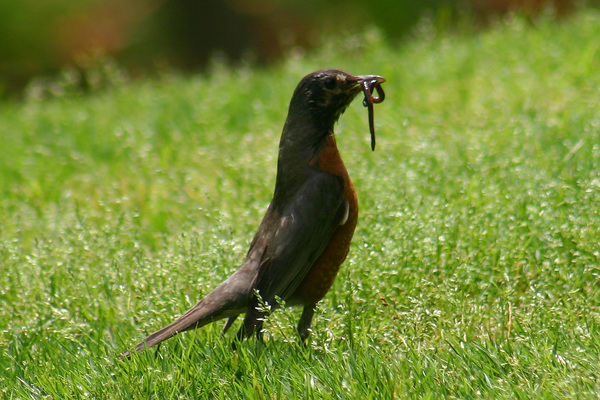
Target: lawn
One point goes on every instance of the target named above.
(474, 271)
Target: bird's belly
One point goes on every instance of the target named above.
(321, 276)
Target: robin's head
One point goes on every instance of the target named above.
(322, 96)
(330, 91)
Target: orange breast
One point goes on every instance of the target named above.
(320, 278)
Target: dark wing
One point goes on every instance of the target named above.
(305, 227)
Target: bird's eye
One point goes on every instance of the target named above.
(329, 82)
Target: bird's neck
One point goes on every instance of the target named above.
(303, 138)
(328, 158)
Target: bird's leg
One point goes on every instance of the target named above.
(242, 334)
(305, 321)
(253, 323)
(228, 324)
(258, 327)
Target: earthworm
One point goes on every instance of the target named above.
(368, 88)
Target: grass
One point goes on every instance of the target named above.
(474, 271)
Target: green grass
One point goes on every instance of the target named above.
(474, 271)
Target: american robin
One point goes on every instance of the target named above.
(305, 235)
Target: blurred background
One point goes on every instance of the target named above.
(79, 40)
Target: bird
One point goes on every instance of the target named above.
(305, 234)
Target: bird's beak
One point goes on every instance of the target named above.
(369, 84)
(362, 81)
(371, 78)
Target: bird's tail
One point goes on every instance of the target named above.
(228, 300)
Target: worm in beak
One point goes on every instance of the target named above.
(370, 84)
